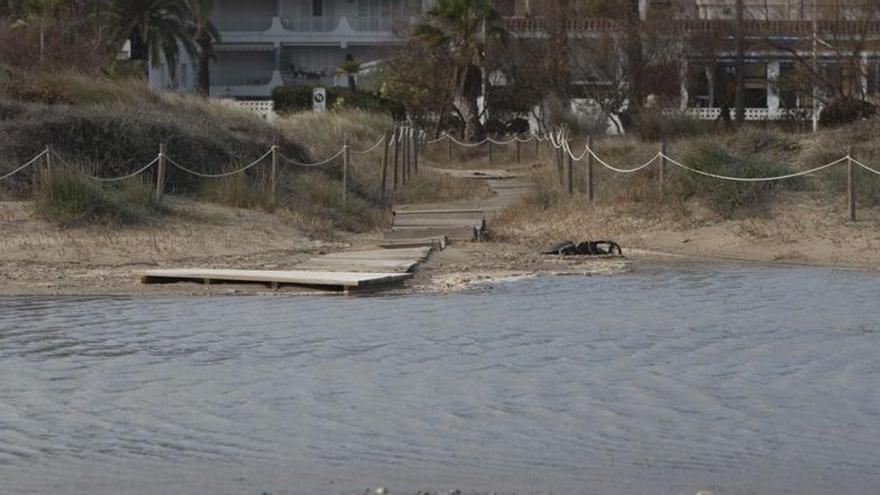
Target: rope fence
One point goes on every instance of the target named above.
(402, 146)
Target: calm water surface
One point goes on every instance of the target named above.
(734, 378)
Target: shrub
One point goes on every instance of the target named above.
(320, 196)
(653, 125)
(729, 198)
(68, 199)
(846, 110)
(118, 126)
(290, 99)
(237, 190)
(372, 102)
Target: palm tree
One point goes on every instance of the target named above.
(463, 27)
(350, 68)
(205, 34)
(161, 26)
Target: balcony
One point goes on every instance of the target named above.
(310, 24)
(325, 30)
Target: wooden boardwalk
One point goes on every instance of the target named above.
(415, 231)
(345, 281)
(455, 221)
(346, 271)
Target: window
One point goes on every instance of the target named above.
(317, 8)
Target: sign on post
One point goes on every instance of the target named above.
(319, 99)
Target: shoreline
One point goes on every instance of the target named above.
(457, 269)
(40, 260)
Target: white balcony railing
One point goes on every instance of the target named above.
(711, 113)
(264, 108)
(310, 24)
(323, 24)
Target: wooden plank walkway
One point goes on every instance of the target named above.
(465, 224)
(414, 233)
(344, 271)
(345, 281)
(372, 261)
(457, 221)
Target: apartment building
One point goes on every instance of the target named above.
(267, 43)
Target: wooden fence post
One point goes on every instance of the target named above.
(345, 159)
(48, 163)
(160, 173)
(397, 134)
(273, 184)
(491, 158)
(663, 146)
(537, 148)
(449, 142)
(590, 168)
(560, 166)
(850, 185)
(518, 150)
(404, 171)
(416, 142)
(570, 170)
(387, 148)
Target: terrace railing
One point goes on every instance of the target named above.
(752, 114)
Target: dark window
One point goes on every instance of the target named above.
(756, 98)
(788, 96)
(318, 8)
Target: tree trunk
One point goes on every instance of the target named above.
(469, 88)
(723, 100)
(740, 98)
(634, 58)
(42, 39)
(203, 84)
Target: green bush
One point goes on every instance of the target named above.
(729, 198)
(342, 99)
(290, 99)
(846, 110)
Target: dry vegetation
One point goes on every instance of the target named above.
(799, 220)
(108, 128)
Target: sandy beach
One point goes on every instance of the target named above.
(38, 258)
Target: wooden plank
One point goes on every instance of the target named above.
(417, 253)
(451, 233)
(438, 222)
(437, 212)
(366, 266)
(291, 277)
(397, 244)
(460, 217)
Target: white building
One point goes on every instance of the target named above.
(266, 43)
